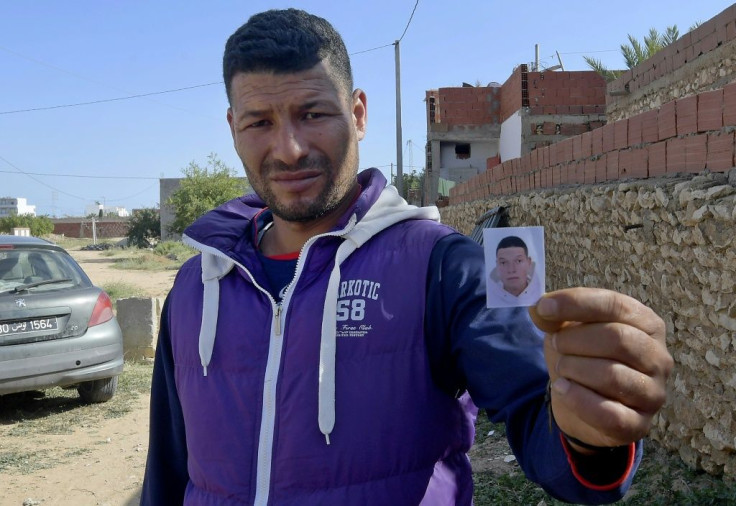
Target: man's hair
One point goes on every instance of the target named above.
(285, 41)
(512, 242)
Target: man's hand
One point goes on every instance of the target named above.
(607, 361)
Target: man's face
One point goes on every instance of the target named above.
(514, 267)
(297, 135)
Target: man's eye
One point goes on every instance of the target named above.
(257, 124)
(313, 115)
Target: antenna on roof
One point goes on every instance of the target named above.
(560, 66)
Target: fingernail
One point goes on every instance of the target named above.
(547, 307)
(561, 386)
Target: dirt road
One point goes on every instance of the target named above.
(100, 463)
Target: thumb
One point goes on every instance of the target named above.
(544, 314)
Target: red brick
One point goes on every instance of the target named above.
(710, 110)
(586, 145)
(549, 128)
(621, 134)
(612, 162)
(545, 156)
(600, 169)
(578, 172)
(589, 171)
(649, 128)
(687, 115)
(667, 121)
(625, 163)
(675, 155)
(696, 153)
(633, 163)
(720, 151)
(597, 141)
(556, 175)
(729, 105)
(566, 150)
(577, 148)
(635, 130)
(608, 138)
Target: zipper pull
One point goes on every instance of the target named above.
(277, 316)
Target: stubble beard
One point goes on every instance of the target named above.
(329, 198)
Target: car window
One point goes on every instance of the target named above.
(24, 266)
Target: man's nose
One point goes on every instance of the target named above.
(289, 145)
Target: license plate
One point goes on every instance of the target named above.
(24, 327)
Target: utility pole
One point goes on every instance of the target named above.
(399, 154)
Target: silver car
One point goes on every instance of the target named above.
(56, 327)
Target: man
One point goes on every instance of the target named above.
(513, 282)
(320, 350)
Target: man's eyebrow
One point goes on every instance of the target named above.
(250, 113)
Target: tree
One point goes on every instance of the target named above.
(203, 189)
(413, 182)
(145, 228)
(636, 52)
(39, 225)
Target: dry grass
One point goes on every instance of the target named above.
(662, 480)
(37, 415)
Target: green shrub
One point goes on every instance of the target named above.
(145, 228)
(39, 225)
(174, 250)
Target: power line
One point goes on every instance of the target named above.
(369, 50)
(83, 78)
(589, 52)
(111, 99)
(77, 175)
(142, 95)
(410, 18)
(41, 182)
(32, 174)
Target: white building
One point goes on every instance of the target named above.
(100, 209)
(10, 206)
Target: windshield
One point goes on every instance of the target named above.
(37, 270)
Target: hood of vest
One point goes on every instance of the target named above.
(378, 207)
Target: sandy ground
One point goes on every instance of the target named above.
(110, 472)
(98, 268)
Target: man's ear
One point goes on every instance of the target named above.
(230, 121)
(360, 112)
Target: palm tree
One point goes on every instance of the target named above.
(636, 52)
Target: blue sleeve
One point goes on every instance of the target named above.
(497, 356)
(166, 474)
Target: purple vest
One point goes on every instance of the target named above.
(397, 439)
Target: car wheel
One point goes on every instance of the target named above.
(100, 390)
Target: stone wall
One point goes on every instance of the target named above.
(668, 242)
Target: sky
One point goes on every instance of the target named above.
(63, 153)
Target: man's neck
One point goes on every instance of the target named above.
(286, 237)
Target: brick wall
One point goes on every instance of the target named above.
(701, 60)
(467, 106)
(689, 135)
(511, 94)
(82, 228)
(566, 92)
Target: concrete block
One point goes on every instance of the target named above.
(139, 320)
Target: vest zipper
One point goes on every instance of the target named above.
(277, 318)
